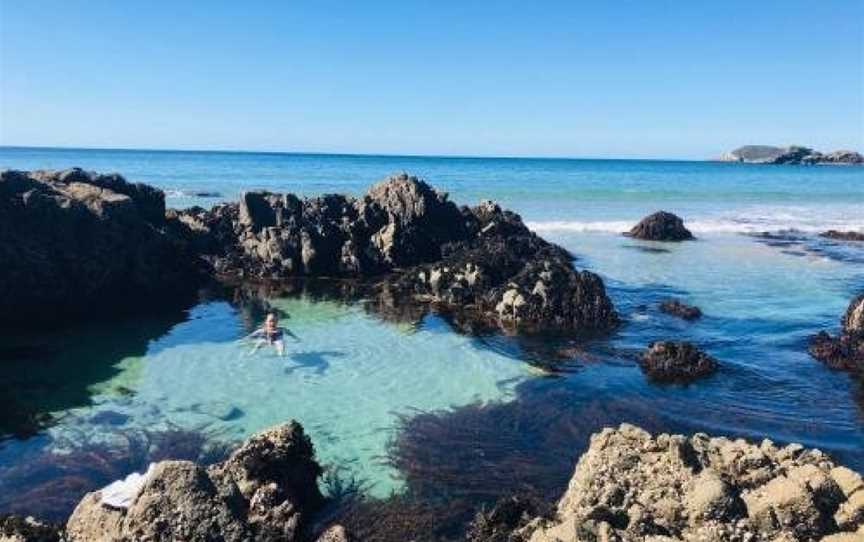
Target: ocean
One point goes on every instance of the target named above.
(359, 382)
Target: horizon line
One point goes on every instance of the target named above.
(354, 154)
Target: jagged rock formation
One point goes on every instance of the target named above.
(512, 277)
(266, 490)
(483, 259)
(766, 154)
(671, 361)
(846, 351)
(680, 309)
(85, 244)
(75, 244)
(399, 222)
(632, 486)
(660, 226)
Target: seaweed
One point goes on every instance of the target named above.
(480, 470)
(29, 530)
(49, 483)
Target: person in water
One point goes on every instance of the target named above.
(271, 333)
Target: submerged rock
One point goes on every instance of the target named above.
(264, 491)
(680, 309)
(78, 244)
(671, 361)
(632, 486)
(845, 351)
(661, 226)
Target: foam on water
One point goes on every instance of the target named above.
(747, 219)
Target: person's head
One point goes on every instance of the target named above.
(271, 320)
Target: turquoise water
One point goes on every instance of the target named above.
(354, 373)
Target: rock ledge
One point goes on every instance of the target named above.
(632, 486)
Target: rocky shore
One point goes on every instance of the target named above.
(482, 261)
(89, 244)
(628, 486)
(766, 154)
(77, 244)
(631, 486)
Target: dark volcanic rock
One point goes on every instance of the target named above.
(661, 226)
(264, 491)
(399, 222)
(512, 278)
(671, 361)
(480, 260)
(843, 235)
(681, 310)
(846, 351)
(87, 244)
(74, 243)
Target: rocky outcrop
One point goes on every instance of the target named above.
(843, 157)
(86, 244)
(766, 154)
(843, 235)
(632, 486)
(510, 276)
(660, 226)
(78, 244)
(680, 309)
(264, 491)
(482, 260)
(845, 351)
(671, 361)
(399, 222)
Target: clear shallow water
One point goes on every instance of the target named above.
(353, 373)
(344, 379)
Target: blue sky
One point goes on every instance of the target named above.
(679, 79)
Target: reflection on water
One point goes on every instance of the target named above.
(396, 398)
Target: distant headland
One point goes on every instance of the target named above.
(767, 154)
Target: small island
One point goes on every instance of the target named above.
(795, 155)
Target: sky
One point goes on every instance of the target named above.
(629, 79)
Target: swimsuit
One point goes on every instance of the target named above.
(273, 336)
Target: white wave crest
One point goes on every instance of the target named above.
(810, 221)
